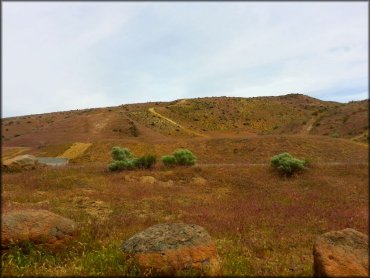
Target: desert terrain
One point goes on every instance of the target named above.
(262, 223)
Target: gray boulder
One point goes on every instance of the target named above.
(37, 226)
(341, 253)
(169, 248)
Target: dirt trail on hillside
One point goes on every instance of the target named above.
(151, 110)
(308, 126)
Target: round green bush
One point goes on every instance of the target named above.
(287, 164)
(119, 153)
(184, 157)
(168, 160)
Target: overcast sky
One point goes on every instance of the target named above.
(61, 56)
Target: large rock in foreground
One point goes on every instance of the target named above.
(20, 162)
(169, 248)
(341, 253)
(38, 226)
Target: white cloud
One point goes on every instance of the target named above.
(59, 56)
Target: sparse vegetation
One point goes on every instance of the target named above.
(287, 164)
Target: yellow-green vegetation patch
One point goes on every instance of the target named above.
(76, 150)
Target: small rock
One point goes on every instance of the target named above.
(169, 248)
(341, 253)
(38, 226)
(199, 181)
(148, 179)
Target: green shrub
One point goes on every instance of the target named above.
(123, 159)
(287, 164)
(181, 157)
(184, 157)
(168, 160)
(145, 162)
(117, 165)
(119, 153)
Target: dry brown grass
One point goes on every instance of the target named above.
(213, 117)
(344, 121)
(263, 224)
(251, 149)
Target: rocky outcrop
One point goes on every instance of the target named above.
(341, 253)
(20, 162)
(37, 226)
(169, 248)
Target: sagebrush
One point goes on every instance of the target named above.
(287, 164)
(182, 157)
(123, 159)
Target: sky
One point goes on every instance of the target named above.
(59, 56)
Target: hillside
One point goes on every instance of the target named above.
(262, 223)
(208, 117)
